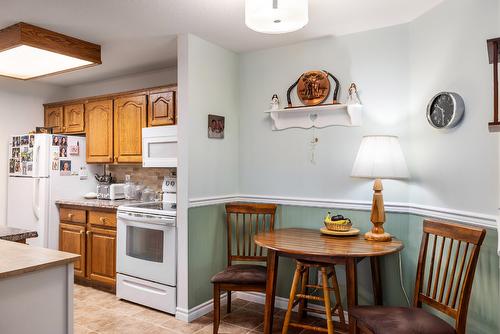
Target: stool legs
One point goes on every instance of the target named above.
(301, 275)
(338, 302)
(303, 291)
(326, 296)
(293, 290)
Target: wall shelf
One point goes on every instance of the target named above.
(317, 116)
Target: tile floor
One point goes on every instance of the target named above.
(98, 312)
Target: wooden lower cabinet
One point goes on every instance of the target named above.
(101, 255)
(94, 241)
(72, 240)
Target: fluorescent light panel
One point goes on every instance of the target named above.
(28, 51)
(26, 62)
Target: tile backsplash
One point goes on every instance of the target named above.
(150, 177)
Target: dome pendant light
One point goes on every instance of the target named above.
(276, 16)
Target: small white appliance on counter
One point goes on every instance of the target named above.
(159, 146)
(113, 191)
(45, 168)
(146, 255)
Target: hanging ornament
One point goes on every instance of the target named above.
(313, 143)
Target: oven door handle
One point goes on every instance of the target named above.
(145, 218)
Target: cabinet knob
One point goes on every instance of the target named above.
(88, 233)
(70, 216)
(102, 219)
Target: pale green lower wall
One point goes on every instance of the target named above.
(207, 256)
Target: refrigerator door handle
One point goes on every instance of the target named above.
(36, 190)
(36, 162)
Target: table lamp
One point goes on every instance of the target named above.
(379, 157)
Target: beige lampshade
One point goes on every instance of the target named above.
(380, 157)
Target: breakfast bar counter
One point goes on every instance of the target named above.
(37, 282)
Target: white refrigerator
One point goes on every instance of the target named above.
(45, 168)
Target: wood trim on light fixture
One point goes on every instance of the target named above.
(30, 35)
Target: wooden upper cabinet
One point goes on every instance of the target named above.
(101, 255)
(130, 118)
(74, 118)
(162, 109)
(99, 131)
(54, 118)
(72, 240)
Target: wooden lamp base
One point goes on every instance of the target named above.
(378, 236)
(378, 215)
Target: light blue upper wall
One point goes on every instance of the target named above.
(278, 162)
(397, 69)
(454, 169)
(213, 89)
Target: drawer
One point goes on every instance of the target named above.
(72, 215)
(102, 218)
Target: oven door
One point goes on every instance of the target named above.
(159, 146)
(146, 247)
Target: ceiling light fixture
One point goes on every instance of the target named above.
(28, 52)
(276, 16)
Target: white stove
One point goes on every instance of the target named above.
(151, 208)
(147, 254)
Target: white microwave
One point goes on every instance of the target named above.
(159, 146)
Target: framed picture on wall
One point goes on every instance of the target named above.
(216, 126)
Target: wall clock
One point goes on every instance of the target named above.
(445, 110)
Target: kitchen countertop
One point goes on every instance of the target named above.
(16, 234)
(20, 258)
(96, 203)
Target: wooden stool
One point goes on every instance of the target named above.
(302, 274)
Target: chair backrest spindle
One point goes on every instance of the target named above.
(244, 220)
(440, 285)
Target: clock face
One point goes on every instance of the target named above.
(445, 110)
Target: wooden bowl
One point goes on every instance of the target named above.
(334, 226)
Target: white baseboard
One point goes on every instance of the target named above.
(199, 310)
(255, 297)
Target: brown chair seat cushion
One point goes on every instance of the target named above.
(398, 320)
(242, 274)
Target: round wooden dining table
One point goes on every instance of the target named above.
(307, 244)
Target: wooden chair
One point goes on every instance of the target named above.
(444, 284)
(244, 220)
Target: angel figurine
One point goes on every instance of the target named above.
(353, 97)
(275, 102)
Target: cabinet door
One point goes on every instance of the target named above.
(161, 109)
(130, 118)
(99, 121)
(74, 119)
(101, 255)
(72, 240)
(54, 118)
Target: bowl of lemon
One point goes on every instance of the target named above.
(338, 225)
